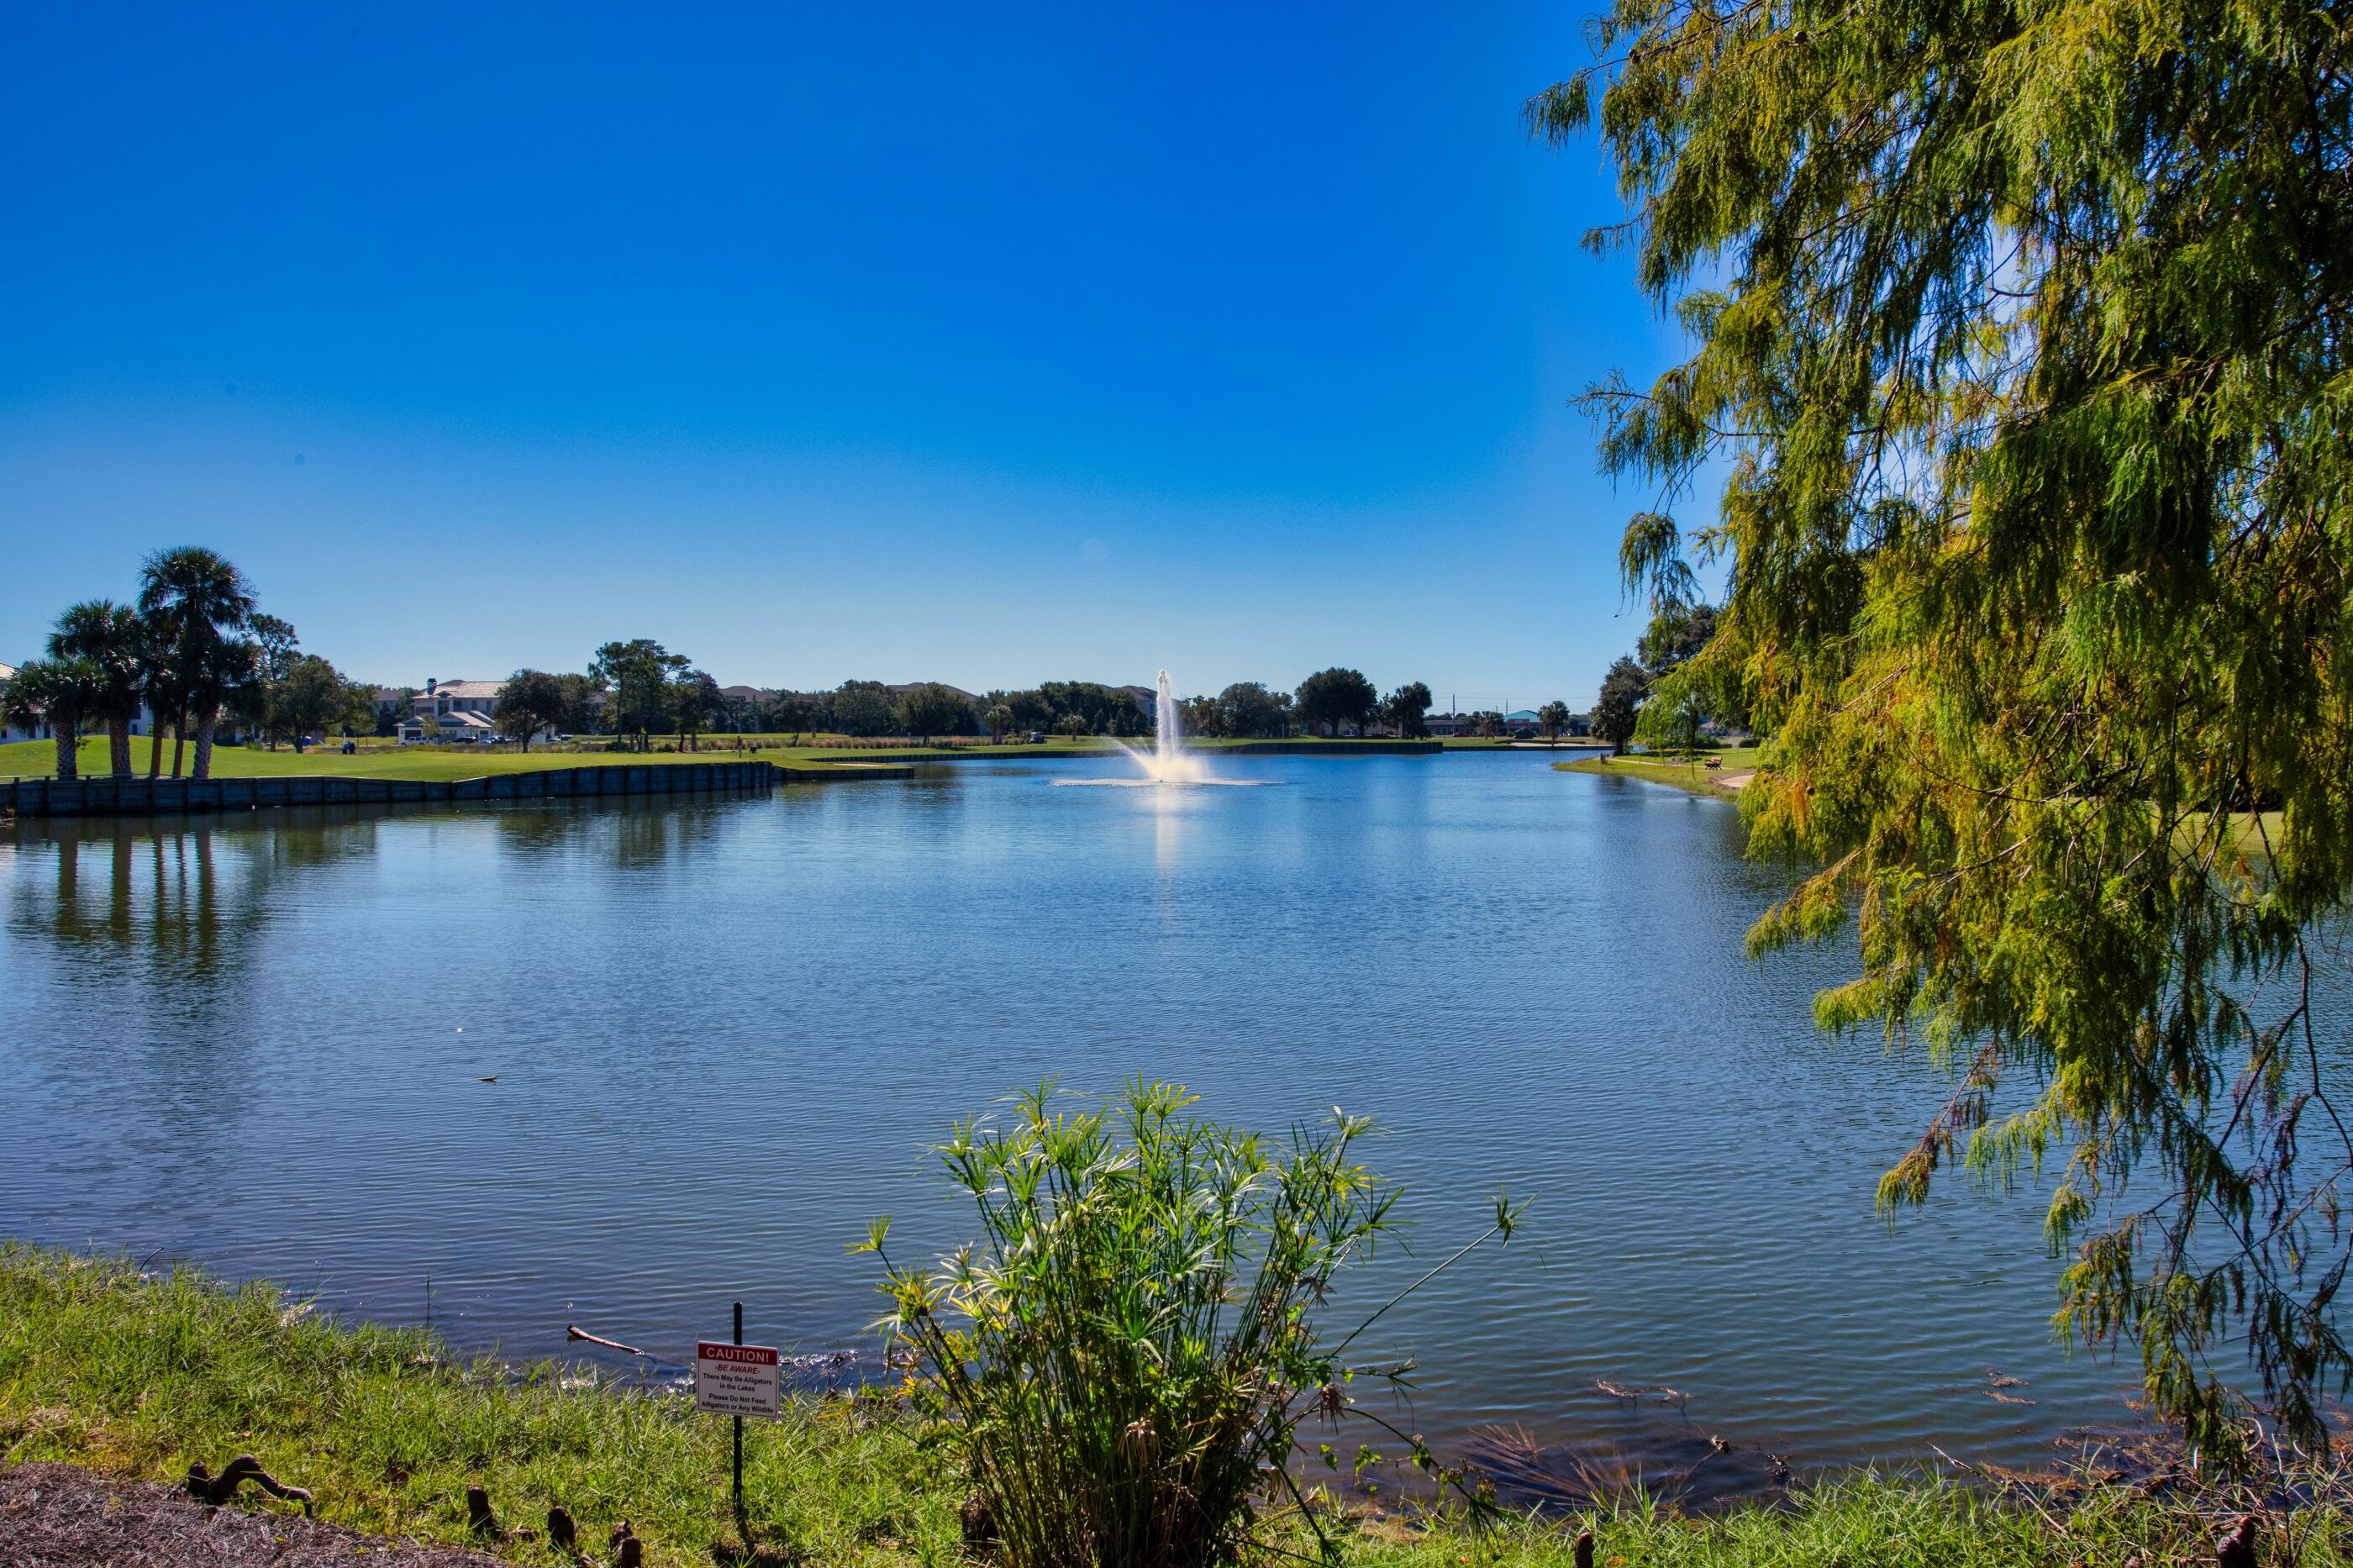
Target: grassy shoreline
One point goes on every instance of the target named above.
(136, 1375)
(388, 760)
(1692, 778)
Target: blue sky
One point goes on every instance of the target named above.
(981, 344)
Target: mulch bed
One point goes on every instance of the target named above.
(55, 1516)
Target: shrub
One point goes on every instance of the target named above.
(1122, 1362)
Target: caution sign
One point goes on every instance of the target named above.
(737, 1380)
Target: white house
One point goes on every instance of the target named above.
(451, 711)
(457, 710)
(454, 726)
(458, 696)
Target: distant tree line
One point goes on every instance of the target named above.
(194, 650)
(637, 689)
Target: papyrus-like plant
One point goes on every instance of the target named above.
(1122, 1362)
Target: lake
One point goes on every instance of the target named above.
(724, 1031)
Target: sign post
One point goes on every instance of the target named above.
(738, 1380)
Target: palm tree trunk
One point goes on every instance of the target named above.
(155, 748)
(179, 742)
(118, 746)
(205, 727)
(66, 736)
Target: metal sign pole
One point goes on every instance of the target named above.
(742, 1527)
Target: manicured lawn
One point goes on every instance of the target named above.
(1696, 777)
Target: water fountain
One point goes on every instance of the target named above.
(1167, 762)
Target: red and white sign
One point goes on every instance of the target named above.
(737, 1380)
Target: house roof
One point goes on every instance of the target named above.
(469, 688)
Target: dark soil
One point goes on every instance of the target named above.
(54, 1516)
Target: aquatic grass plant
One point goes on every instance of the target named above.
(1121, 1363)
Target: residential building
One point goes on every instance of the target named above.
(441, 697)
(457, 710)
(457, 725)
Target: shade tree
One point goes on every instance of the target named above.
(638, 673)
(313, 697)
(2015, 411)
(1406, 710)
(696, 706)
(1619, 708)
(1336, 698)
(934, 709)
(1250, 709)
(531, 701)
(864, 709)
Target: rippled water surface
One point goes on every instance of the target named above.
(724, 1031)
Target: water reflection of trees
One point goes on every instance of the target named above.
(175, 900)
(632, 833)
(179, 904)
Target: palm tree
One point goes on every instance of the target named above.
(1552, 718)
(110, 639)
(1000, 718)
(199, 602)
(59, 693)
(159, 675)
(221, 675)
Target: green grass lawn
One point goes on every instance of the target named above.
(1696, 777)
(103, 1366)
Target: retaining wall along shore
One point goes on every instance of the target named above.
(107, 796)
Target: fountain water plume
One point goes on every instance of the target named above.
(1166, 763)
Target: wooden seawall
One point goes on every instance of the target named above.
(105, 797)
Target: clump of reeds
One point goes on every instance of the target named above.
(1123, 1360)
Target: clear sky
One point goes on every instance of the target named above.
(985, 344)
